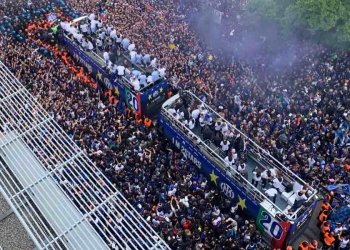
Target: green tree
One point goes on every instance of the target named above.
(263, 8)
(328, 20)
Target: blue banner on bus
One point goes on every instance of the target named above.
(93, 68)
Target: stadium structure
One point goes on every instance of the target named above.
(61, 199)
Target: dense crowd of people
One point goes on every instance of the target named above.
(300, 114)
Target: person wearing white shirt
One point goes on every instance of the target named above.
(229, 161)
(92, 16)
(191, 124)
(131, 47)
(150, 79)
(338, 228)
(84, 44)
(106, 57)
(234, 154)
(78, 37)
(119, 39)
(241, 167)
(113, 34)
(271, 193)
(84, 28)
(90, 46)
(217, 127)
(229, 134)
(110, 65)
(277, 183)
(99, 44)
(135, 83)
(201, 122)
(224, 128)
(127, 72)
(133, 56)
(162, 72)
(113, 68)
(63, 25)
(344, 242)
(93, 26)
(216, 221)
(225, 145)
(108, 30)
(300, 198)
(172, 111)
(72, 30)
(102, 35)
(256, 177)
(154, 63)
(266, 177)
(195, 114)
(99, 24)
(121, 70)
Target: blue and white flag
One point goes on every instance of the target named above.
(51, 17)
(340, 188)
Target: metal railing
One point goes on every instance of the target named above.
(30, 135)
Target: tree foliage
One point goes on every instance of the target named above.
(328, 20)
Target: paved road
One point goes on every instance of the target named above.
(312, 232)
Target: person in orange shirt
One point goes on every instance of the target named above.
(322, 217)
(330, 197)
(325, 227)
(328, 241)
(313, 245)
(303, 245)
(148, 122)
(325, 205)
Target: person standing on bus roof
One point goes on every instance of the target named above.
(125, 43)
(106, 56)
(155, 76)
(271, 193)
(121, 71)
(256, 177)
(225, 145)
(266, 177)
(138, 58)
(135, 83)
(142, 78)
(146, 59)
(162, 71)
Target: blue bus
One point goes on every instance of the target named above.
(277, 225)
(145, 102)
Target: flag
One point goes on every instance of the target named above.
(51, 17)
(102, 15)
(340, 188)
